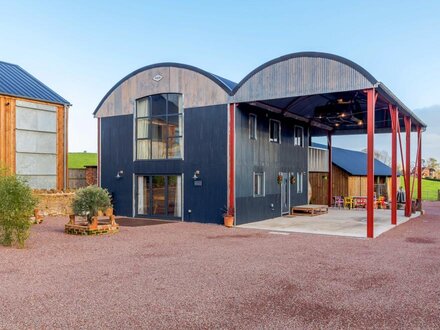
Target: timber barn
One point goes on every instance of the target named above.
(177, 142)
(349, 170)
(33, 129)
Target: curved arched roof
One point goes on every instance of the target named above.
(328, 56)
(225, 84)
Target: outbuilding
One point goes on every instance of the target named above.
(33, 129)
(177, 142)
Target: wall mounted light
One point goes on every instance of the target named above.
(196, 175)
(119, 174)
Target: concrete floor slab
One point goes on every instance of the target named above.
(338, 222)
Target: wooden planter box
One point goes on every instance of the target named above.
(95, 228)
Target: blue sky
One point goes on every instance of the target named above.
(82, 48)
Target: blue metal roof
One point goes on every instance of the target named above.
(355, 162)
(15, 81)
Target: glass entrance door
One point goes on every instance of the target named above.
(159, 196)
(285, 193)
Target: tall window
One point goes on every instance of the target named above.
(252, 126)
(274, 131)
(299, 182)
(159, 127)
(299, 136)
(258, 184)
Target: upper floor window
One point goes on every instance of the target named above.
(274, 131)
(299, 136)
(252, 126)
(159, 127)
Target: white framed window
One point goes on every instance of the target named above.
(258, 184)
(252, 126)
(299, 182)
(274, 131)
(298, 136)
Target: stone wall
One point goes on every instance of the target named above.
(54, 203)
(91, 175)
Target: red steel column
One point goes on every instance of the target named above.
(231, 146)
(330, 170)
(370, 161)
(408, 166)
(394, 122)
(419, 167)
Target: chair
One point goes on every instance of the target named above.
(338, 201)
(348, 202)
(360, 202)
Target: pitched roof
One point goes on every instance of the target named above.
(15, 81)
(355, 162)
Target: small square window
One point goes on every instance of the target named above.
(274, 131)
(259, 184)
(252, 126)
(299, 182)
(299, 136)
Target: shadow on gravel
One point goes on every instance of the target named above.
(420, 240)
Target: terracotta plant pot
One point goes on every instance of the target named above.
(228, 221)
(109, 211)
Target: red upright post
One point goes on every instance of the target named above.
(330, 168)
(394, 122)
(419, 167)
(408, 166)
(371, 100)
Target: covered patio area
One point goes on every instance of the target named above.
(336, 222)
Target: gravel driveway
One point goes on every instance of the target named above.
(187, 275)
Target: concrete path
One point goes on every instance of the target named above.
(339, 222)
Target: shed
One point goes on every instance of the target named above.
(33, 129)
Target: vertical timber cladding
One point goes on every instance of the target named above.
(7, 136)
(270, 158)
(40, 144)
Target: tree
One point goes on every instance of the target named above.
(381, 155)
(432, 163)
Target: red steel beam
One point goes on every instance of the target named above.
(401, 150)
(419, 167)
(371, 100)
(231, 143)
(394, 121)
(407, 121)
(330, 170)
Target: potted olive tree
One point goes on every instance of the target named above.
(89, 201)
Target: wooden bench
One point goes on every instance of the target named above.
(310, 210)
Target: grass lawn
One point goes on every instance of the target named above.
(429, 189)
(81, 159)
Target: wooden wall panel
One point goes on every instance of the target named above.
(60, 148)
(319, 184)
(7, 133)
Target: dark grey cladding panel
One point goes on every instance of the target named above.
(302, 75)
(206, 151)
(261, 155)
(117, 155)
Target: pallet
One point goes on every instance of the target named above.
(310, 210)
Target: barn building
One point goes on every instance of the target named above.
(349, 170)
(33, 129)
(177, 142)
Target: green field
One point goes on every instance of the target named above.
(81, 159)
(429, 189)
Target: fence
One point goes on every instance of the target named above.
(82, 177)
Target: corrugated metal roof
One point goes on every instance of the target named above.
(355, 162)
(15, 81)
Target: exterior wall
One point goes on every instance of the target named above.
(198, 90)
(319, 187)
(300, 75)
(32, 141)
(261, 155)
(205, 149)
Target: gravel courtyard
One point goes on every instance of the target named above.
(186, 275)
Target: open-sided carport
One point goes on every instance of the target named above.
(334, 96)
